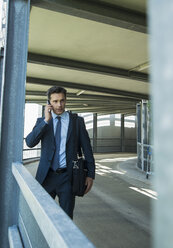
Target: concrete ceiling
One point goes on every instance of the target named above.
(97, 50)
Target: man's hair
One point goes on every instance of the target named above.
(56, 89)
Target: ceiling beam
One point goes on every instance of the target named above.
(84, 103)
(48, 82)
(97, 109)
(97, 11)
(100, 110)
(106, 111)
(71, 106)
(87, 67)
(86, 96)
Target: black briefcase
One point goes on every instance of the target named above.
(79, 177)
(79, 165)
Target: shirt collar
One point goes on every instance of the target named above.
(63, 115)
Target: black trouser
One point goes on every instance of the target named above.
(59, 184)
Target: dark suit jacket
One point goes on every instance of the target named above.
(44, 132)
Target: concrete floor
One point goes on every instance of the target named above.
(117, 211)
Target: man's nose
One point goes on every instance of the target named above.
(59, 104)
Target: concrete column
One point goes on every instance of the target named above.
(12, 111)
(3, 28)
(95, 132)
(122, 134)
(161, 50)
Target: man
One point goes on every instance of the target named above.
(56, 133)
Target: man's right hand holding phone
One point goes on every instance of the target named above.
(47, 112)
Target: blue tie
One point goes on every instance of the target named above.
(56, 162)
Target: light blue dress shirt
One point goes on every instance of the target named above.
(64, 130)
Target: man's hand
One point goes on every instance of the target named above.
(47, 112)
(88, 183)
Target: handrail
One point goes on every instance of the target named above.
(31, 152)
(14, 237)
(49, 216)
(110, 143)
(145, 145)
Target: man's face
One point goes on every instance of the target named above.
(58, 101)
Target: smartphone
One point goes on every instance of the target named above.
(48, 102)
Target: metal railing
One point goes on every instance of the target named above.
(41, 219)
(103, 145)
(115, 145)
(31, 152)
(145, 158)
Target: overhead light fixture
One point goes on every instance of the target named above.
(141, 67)
(80, 92)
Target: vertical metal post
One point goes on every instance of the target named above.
(122, 134)
(12, 116)
(142, 139)
(138, 122)
(138, 125)
(144, 132)
(145, 121)
(161, 50)
(95, 132)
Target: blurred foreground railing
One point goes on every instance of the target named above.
(41, 222)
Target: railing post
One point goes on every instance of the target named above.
(12, 110)
(95, 132)
(122, 134)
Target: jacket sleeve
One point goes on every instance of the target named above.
(86, 148)
(34, 137)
